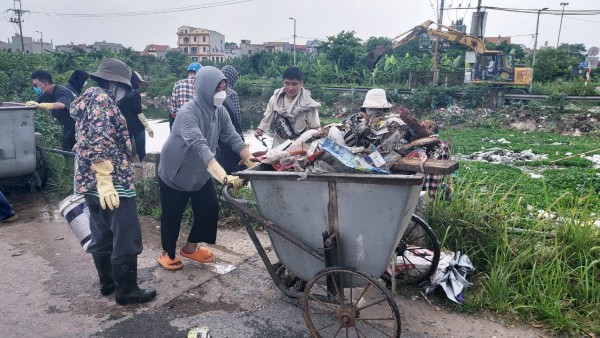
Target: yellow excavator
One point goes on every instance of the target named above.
(490, 67)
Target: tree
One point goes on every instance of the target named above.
(177, 62)
(230, 45)
(552, 63)
(374, 42)
(345, 50)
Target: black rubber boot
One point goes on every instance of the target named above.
(104, 267)
(125, 275)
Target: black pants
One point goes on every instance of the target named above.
(68, 137)
(171, 121)
(115, 231)
(205, 207)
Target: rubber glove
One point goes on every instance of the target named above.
(31, 103)
(45, 106)
(106, 190)
(142, 119)
(247, 157)
(215, 170)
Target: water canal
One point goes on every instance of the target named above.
(159, 122)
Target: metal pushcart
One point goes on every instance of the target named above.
(20, 155)
(337, 232)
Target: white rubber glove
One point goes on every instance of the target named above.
(142, 119)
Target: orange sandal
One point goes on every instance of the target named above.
(170, 264)
(202, 255)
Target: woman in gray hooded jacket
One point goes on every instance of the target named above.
(187, 164)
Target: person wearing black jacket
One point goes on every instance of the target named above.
(137, 125)
(77, 81)
(228, 158)
(57, 99)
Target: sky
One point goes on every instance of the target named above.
(268, 20)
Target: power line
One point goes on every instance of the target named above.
(148, 12)
(534, 11)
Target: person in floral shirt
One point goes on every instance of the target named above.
(105, 178)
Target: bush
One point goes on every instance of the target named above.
(425, 99)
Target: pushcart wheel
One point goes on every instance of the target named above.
(41, 167)
(420, 251)
(346, 302)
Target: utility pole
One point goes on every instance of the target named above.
(563, 4)
(480, 21)
(437, 46)
(537, 25)
(19, 12)
(294, 41)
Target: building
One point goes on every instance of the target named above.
(247, 48)
(299, 49)
(107, 46)
(312, 46)
(499, 39)
(201, 44)
(158, 51)
(274, 47)
(71, 46)
(31, 46)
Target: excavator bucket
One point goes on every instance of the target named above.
(374, 57)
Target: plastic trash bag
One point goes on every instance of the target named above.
(454, 281)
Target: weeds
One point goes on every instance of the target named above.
(553, 281)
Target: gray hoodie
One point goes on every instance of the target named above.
(198, 128)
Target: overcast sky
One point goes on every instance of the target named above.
(268, 20)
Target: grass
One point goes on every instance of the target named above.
(554, 282)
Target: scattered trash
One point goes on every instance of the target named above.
(414, 261)
(454, 281)
(503, 156)
(199, 332)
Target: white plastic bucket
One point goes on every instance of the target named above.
(75, 211)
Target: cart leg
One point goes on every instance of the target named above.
(263, 256)
(331, 259)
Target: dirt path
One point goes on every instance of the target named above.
(49, 288)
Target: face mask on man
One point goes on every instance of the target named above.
(37, 90)
(219, 98)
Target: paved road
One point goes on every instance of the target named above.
(49, 288)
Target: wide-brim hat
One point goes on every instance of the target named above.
(141, 81)
(113, 70)
(375, 98)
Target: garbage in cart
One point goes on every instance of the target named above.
(379, 143)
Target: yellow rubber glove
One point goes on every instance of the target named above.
(106, 190)
(45, 105)
(215, 170)
(247, 157)
(142, 119)
(31, 103)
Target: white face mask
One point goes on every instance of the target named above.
(219, 98)
(118, 91)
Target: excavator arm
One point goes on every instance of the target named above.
(444, 32)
